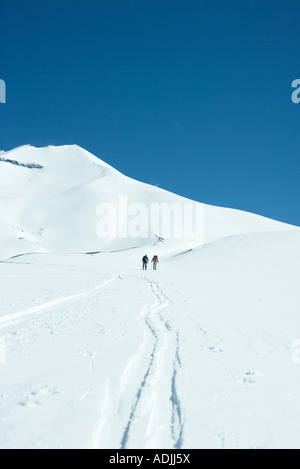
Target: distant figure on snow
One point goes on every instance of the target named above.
(145, 262)
(155, 261)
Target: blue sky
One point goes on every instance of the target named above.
(192, 95)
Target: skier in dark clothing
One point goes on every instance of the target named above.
(145, 262)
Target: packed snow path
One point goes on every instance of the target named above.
(12, 318)
(154, 408)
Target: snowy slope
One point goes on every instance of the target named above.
(49, 199)
(96, 353)
(196, 355)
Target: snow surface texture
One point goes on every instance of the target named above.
(95, 353)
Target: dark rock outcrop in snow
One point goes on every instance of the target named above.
(24, 165)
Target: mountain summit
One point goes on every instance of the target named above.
(50, 197)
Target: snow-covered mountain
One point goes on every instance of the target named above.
(96, 353)
(49, 199)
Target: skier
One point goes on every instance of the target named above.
(155, 262)
(145, 262)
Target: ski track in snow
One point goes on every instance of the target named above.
(154, 410)
(152, 406)
(35, 310)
